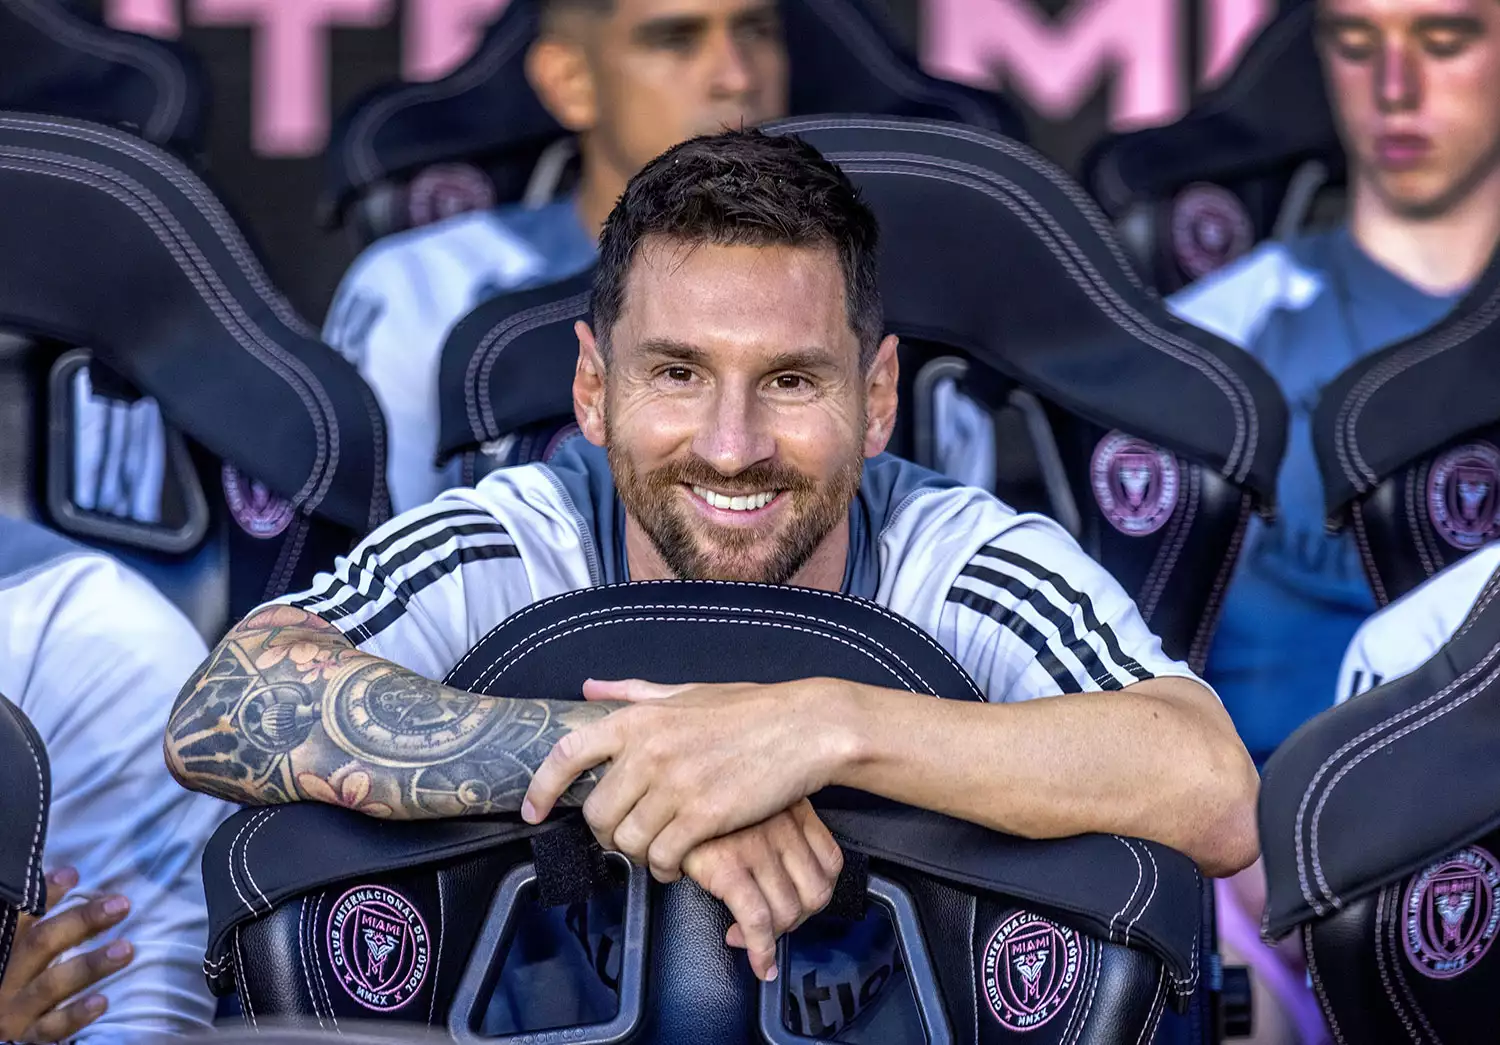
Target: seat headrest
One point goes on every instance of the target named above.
(56, 60)
(1271, 112)
(986, 248)
(841, 56)
(1420, 749)
(110, 243)
(1411, 398)
(26, 783)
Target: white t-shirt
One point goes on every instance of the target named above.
(1406, 634)
(94, 656)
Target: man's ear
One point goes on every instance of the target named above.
(557, 66)
(588, 386)
(881, 397)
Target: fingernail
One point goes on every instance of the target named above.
(771, 976)
(118, 951)
(116, 905)
(95, 1004)
(64, 876)
(528, 811)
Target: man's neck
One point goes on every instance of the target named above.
(1442, 254)
(599, 187)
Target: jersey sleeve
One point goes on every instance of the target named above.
(423, 589)
(1031, 615)
(111, 657)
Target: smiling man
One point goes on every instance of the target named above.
(735, 395)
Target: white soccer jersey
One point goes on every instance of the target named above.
(401, 298)
(1407, 633)
(1011, 596)
(95, 657)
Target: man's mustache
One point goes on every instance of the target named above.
(755, 479)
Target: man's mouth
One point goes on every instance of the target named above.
(749, 502)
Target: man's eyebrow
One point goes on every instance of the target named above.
(668, 25)
(671, 348)
(1450, 23)
(810, 358)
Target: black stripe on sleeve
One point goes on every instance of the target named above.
(1059, 618)
(1090, 617)
(414, 585)
(1021, 629)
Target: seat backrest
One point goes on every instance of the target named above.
(1408, 444)
(26, 782)
(408, 154)
(1397, 912)
(1002, 939)
(210, 440)
(1153, 439)
(56, 60)
(1257, 158)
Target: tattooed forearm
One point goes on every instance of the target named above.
(286, 709)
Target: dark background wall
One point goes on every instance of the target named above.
(279, 70)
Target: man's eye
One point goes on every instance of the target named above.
(678, 374)
(1353, 44)
(1445, 43)
(791, 383)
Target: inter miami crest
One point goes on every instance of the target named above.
(379, 947)
(1030, 967)
(1134, 483)
(1463, 495)
(1449, 914)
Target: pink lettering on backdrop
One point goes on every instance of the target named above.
(1231, 25)
(440, 34)
(1057, 65)
(291, 63)
(152, 17)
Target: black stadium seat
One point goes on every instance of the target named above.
(25, 784)
(1079, 940)
(409, 154)
(57, 61)
(1408, 443)
(125, 278)
(1398, 912)
(1257, 158)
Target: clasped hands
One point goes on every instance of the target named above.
(712, 781)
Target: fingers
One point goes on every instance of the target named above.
(819, 839)
(62, 1024)
(811, 882)
(577, 752)
(57, 934)
(630, 691)
(637, 833)
(740, 891)
(68, 979)
(58, 884)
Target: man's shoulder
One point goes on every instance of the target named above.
(1405, 634)
(1235, 301)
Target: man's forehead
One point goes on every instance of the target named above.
(707, 293)
(634, 12)
(1405, 9)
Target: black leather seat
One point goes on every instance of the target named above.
(56, 60)
(25, 781)
(408, 154)
(1408, 444)
(125, 278)
(1257, 158)
(1397, 912)
(1078, 940)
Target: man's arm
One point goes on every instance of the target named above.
(286, 709)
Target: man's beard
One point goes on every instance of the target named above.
(653, 500)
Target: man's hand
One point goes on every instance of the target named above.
(691, 763)
(772, 877)
(34, 996)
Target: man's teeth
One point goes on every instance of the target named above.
(745, 503)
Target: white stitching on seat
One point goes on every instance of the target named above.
(1346, 443)
(306, 965)
(1153, 1014)
(1414, 526)
(213, 293)
(499, 664)
(1093, 990)
(689, 620)
(1385, 979)
(1088, 279)
(91, 40)
(244, 990)
(1208, 621)
(487, 354)
(1318, 988)
(1140, 872)
(437, 964)
(36, 889)
(1155, 881)
(322, 982)
(1367, 556)
(245, 857)
(1177, 535)
(1400, 977)
(229, 859)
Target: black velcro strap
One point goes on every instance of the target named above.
(851, 891)
(569, 864)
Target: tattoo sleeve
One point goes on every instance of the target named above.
(287, 710)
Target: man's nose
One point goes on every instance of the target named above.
(731, 71)
(1398, 76)
(736, 434)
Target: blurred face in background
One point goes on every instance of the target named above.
(1416, 90)
(634, 77)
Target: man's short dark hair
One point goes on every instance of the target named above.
(745, 188)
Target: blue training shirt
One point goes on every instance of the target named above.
(1307, 311)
